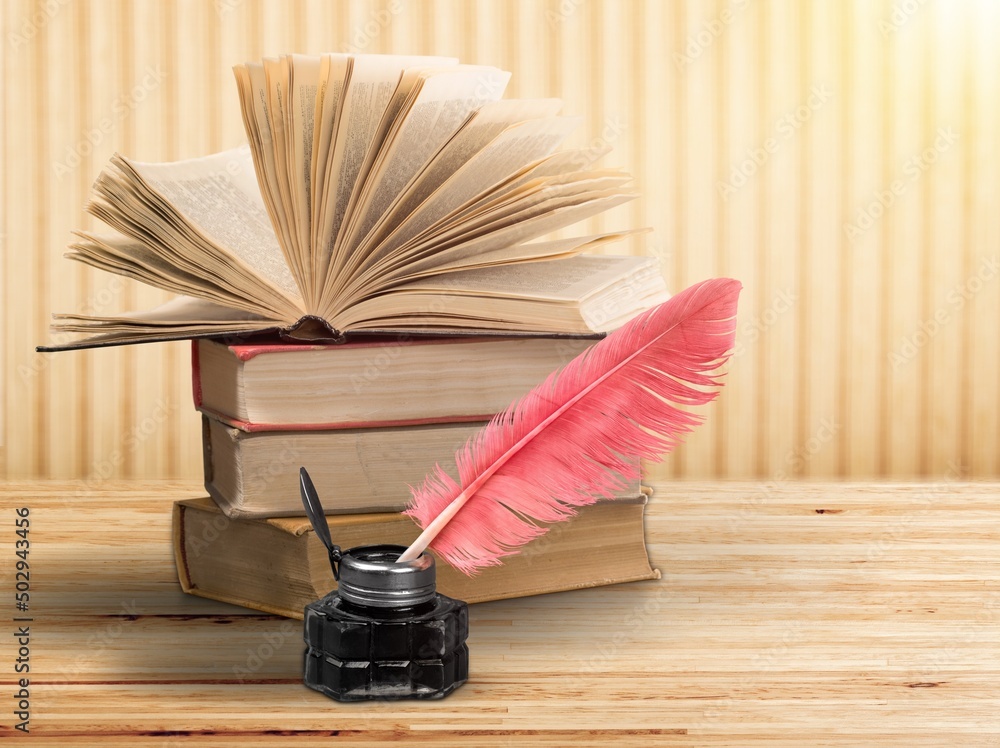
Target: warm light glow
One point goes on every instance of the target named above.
(959, 23)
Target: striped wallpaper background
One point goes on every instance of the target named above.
(840, 158)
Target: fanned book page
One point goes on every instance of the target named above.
(377, 194)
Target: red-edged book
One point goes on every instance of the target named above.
(371, 384)
(367, 419)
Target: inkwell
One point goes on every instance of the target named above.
(385, 632)
(570, 441)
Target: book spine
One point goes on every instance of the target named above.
(180, 554)
(206, 451)
(247, 351)
(195, 374)
(253, 426)
(319, 577)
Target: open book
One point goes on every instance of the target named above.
(378, 193)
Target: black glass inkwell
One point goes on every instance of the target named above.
(385, 632)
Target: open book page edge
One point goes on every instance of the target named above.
(289, 333)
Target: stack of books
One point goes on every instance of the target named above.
(396, 227)
(367, 419)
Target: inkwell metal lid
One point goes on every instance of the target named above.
(370, 575)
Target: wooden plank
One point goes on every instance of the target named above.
(846, 351)
(507, 737)
(788, 614)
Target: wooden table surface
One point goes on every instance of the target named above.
(788, 614)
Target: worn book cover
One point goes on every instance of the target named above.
(277, 565)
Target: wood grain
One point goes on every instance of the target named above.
(820, 614)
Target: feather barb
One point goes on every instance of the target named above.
(573, 439)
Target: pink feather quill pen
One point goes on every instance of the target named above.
(565, 443)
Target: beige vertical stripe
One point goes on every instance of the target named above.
(5, 379)
(982, 391)
(867, 341)
(699, 166)
(861, 260)
(743, 126)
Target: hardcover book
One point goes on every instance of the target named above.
(256, 473)
(278, 566)
(267, 387)
(378, 194)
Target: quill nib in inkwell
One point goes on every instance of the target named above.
(385, 632)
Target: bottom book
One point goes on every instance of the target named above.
(277, 565)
